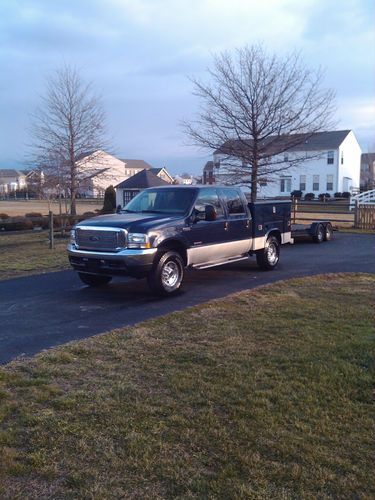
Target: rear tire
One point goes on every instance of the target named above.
(268, 257)
(328, 233)
(94, 279)
(319, 234)
(167, 274)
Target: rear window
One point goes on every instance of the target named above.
(233, 202)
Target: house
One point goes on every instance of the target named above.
(331, 164)
(126, 190)
(163, 174)
(11, 180)
(367, 171)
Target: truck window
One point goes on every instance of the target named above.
(233, 202)
(207, 196)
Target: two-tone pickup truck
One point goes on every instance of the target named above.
(164, 230)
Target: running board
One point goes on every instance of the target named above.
(220, 263)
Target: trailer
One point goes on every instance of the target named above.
(318, 231)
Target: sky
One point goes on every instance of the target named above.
(139, 55)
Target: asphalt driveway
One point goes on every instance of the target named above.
(43, 311)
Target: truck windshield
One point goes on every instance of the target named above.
(169, 200)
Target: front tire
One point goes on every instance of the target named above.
(167, 275)
(94, 279)
(268, 257)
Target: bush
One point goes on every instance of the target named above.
(4, 216)
(109, 205)
(17, 224)
(309, 196)
(89, 214)
(324, 196)
(338, 195)
(346, 194)
(296, 194)
(33, 214)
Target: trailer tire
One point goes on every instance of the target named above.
(167, 274)
(328, 233)
(94, 279)
(319, 234)
(268, 257)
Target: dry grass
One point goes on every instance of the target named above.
(23, 254)
(21, 207)
(266, 394)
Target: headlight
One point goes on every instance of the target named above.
(138, 240)
(73, 236)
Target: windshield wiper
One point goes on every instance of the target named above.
(127, 210)
(152, 211)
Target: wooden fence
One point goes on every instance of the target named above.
(364, 217)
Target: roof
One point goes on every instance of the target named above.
(291, 142)
(138, 164)
(144, 179)
(10, 172)
(156, 171)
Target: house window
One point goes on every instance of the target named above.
(315, 182)
(329, 182)
(342, 157)
(302, 182)
(285, 184)
(129, 195)
(330, 157)
(262, 182)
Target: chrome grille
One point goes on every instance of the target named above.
(100, 239)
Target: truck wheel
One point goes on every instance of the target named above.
(94, 279)
(167, 275)
(319, 234)
(268, 257)
(328, 233)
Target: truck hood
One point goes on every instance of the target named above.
(136, 223)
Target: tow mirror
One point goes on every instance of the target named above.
(210, 213)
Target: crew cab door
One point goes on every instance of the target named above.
(207, 239)
(239, 224)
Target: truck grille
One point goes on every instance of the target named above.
(102, 240)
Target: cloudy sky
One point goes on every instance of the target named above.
(139, 54)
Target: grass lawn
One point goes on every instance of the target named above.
(266, 394)
(22, 254)
(22, 207)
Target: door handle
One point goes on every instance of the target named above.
(226, 226)
(247, 224)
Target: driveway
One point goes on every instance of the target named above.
(43, 311)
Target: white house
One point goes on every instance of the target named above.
(11, 180)
(332, 165)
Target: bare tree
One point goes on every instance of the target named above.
(69, 123)
(257, 106)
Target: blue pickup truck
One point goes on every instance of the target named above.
(164, 230)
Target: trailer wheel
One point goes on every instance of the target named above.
(167, 275)
(268, 257)
(94, 279)
(319, 234)
(328, 233)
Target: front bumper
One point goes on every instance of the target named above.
(127, 262)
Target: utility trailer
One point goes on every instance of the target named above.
(318, 231)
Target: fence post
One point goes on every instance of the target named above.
(356, 214)
(50, 227)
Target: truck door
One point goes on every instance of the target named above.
(207, 239)
(239, 224)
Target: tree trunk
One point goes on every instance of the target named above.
(73, 189)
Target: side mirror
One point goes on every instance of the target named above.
(210, 213)
(118, 209)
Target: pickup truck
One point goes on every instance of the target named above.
(164, 230)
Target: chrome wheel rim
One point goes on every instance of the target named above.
(170, 275)
(272, 255)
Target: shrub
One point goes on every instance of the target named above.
(346, 194)
(89, 214)
(338, 195)
(4, 216)
(324, 196)
(33, 214)
(109, 205)
(17, 224)
(296, 194)
(309, 196)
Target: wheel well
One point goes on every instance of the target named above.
(176, 246)
(275, 233)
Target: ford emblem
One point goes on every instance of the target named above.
(94, 238)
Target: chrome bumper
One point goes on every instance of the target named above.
(125, 262)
